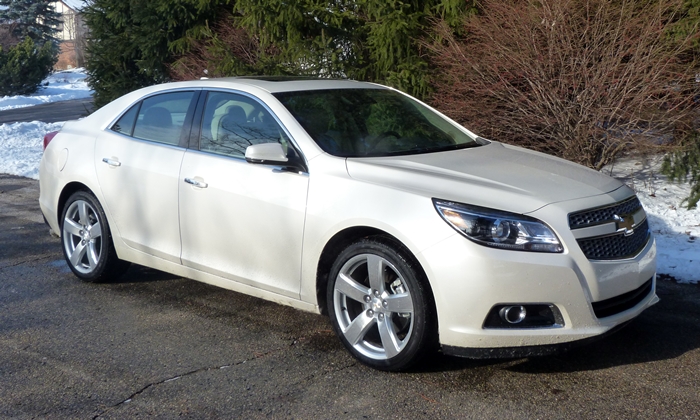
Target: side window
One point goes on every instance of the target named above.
(233, 122)
(162, 117)
(125, 125)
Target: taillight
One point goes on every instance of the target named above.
(48, 137)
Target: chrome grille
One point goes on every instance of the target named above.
(616, 246)
(603, 214)
(601, 231)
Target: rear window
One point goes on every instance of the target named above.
(159, 118)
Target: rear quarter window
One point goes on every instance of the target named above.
(159, 118)
(125, 124)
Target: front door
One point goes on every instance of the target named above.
(239, 220)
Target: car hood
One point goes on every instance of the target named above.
(494, 175)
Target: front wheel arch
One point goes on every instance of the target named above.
(342, 240)
(412, 330)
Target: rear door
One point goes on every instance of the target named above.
(138, 164)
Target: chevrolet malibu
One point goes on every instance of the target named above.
(355, 200)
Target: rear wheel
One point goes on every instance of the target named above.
(380, 305)
(87, 241)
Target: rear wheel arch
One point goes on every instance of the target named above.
(86, 239)
(68, 190)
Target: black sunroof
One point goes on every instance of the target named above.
(285, 78)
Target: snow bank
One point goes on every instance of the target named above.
(677, 229)
(21, 147)
(62, 86)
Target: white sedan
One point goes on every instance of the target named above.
(355, 200)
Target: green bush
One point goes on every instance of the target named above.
(684, 165)
(24, 66)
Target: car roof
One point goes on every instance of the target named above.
(274, 84)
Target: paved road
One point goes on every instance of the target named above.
(155, 345)
(51, 112)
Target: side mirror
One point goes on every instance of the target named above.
(266, 153)
(274, 154)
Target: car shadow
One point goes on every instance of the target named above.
(665, 331)
(140, 274)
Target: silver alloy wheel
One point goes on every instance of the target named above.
(82, 236)
(373, 306)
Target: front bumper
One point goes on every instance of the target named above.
(468, 280)
(524, 351)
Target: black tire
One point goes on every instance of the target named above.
(386, 321)
(85, 235)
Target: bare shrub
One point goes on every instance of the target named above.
(581, 79)
(221, 49)
(7, 37)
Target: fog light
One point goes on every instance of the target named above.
(526, 315)
(513, 314)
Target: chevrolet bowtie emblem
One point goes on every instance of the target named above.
(624, 223)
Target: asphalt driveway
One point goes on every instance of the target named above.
(49, 113)
(156, 345)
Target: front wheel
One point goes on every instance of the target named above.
(87, 242)
(380, 305)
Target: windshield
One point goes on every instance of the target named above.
(372, 122)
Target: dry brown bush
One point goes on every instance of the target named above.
(221, 44)
(581, 79)
(7, 38)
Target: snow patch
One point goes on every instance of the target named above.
(677, 229)
(21, 147)
(62, 86)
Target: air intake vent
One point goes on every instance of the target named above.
(623, 302)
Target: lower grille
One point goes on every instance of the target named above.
(623, 302)
(616, 246)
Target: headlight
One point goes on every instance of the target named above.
(499, 229)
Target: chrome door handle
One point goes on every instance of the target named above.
(111, 162)
(198, 184)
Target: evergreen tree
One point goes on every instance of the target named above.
(684, 163)
(129, 42)
(24, 66)
(135, 43)
(313, 37)
(395, 29)
(371, 40)
(36, 19)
